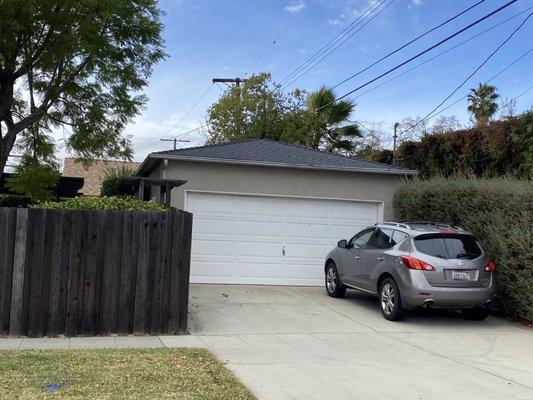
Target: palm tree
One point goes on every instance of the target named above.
(482, 103)
(329, 129)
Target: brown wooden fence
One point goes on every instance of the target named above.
(93, 272)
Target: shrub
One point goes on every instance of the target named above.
(498, 211)
(110, 203)
(110, 182)
(501, 148)
(15, 201)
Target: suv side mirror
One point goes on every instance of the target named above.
(343, 244)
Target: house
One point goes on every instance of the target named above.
(267, 212)
(93, 174)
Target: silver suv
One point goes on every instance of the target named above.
(414, 264)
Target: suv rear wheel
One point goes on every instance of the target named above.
(390, 300)
(334, 286)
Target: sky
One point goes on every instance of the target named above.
(215, 38)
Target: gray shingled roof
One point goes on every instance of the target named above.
(271, 153)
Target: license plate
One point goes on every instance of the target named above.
(460, 275)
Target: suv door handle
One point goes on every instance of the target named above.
(357, 257)
(381, 258)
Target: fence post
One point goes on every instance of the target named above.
(19, 263)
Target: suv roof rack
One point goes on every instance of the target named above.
(398, 224)
(433, 223)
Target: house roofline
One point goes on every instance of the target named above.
(146, 167)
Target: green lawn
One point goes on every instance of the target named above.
(117, 374)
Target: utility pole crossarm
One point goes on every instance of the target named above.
(236, 81)
(175, 141)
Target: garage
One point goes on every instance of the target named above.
(269, 240)
(267, 212)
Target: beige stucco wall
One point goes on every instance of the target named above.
(279, 181)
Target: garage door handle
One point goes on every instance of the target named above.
(381, 258)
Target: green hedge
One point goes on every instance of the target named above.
(501, 148)
(15, 201)
(110, 203)
(498, 211)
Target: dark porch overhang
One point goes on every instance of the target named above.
(139, 184)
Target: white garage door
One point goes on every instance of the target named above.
(269, 240)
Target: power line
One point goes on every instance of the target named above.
(422, 52)
(442, 53)
(180, 120)
(277, 38)
(409, 43)
(472, 74)
(370, 19)
(331, 42)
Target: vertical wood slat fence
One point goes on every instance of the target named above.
(93, 272)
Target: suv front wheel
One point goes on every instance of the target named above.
(390, 300)
(334, 286)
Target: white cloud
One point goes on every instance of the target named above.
(415, 3)
(295, 7)
(336, 21)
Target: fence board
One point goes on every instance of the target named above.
(19, 265)
(91, 272)
(7, 225)
(54, 294)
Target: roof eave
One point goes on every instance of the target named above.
(154, 156)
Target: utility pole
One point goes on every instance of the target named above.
(396, 125)
(175, 141)
(237, 82)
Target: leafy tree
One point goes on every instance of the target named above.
(253, 110)
(38, 172)
(328, 121)
(482, 103)
(259, 109)
(110, 182)
(77, 64)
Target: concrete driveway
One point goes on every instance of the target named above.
(298, 343)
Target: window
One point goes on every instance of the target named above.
(381, 239)
(361, 239)
(398, 237)
(448, 246)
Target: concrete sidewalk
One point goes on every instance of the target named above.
(297, 343)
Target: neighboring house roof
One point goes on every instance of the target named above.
(94, 174)
(270, 153)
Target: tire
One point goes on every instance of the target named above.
(475, 314)
(334, 286)
(390, 300)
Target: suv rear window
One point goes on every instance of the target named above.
(448, 246)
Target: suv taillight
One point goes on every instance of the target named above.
(491, 266)
(415, 263)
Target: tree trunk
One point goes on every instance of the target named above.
(6, 145)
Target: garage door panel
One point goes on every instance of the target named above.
(258, 270)
(305, 251)
(205, 269)
(259, 249)
(307, 207)
(214, 248)
(203, 224)
(306, 230)
(225, 205)
(259, 206)
(260, 227)
(307, 272)
(241, 238)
